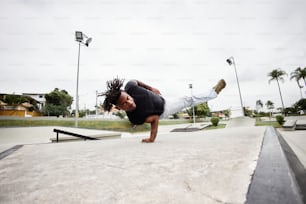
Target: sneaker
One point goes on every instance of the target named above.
(220, 85)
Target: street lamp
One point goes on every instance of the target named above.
(97, 95)
(231, 61)
(190, 86)
(81, 38)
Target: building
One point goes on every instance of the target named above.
(19, 106)
(39, 97)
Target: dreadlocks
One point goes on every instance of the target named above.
(112, 93)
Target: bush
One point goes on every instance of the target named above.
(280, 119)
(214, 121)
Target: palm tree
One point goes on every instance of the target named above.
(303, 75)
(258, 105)
(297, 74)
(277, 74)
(270, 106)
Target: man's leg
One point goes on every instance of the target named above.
(179, 104)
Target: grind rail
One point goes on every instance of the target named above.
(72, 134)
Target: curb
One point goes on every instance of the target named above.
(274, 180)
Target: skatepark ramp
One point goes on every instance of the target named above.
(240, 122)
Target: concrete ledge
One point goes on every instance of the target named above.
(191, 128)
(289, 125)
(273, 181)
(300, 125)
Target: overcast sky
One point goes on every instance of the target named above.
(167, 44)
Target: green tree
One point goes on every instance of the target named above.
(298, 74)
(15, 99)
(227, 113)
(300, 105)
(57, 103)
(202, 110)
(277, 74)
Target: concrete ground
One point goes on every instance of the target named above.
(10, 137)
(209, 166)
(202, 167)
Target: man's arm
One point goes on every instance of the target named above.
(153, 120)
(154, 90)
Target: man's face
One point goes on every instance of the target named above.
(126, 102)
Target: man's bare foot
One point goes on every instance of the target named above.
(147, 140)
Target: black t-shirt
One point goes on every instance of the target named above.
(147, 103)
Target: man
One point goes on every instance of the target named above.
(144, 104)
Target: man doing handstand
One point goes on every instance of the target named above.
(144, 104)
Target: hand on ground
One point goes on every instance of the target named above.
(147, 140)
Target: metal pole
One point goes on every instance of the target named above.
(77, 90)
(238, 87)
(190, 86)
(96, 103)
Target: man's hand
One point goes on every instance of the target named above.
(147, 140)
(154, 90)
(153, 120)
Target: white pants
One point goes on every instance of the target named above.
(176, 105)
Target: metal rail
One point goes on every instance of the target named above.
(72, 134)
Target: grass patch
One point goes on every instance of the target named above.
(113, 125)
(275, 124)
(219, 126)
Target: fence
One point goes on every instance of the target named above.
(19, 113)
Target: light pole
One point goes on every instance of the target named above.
(190, 86)
(96, 103)
(231, 61)
(97, 95)
(80, 38)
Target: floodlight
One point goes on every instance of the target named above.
(88, 41)
(78, 36)
(229, 61)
